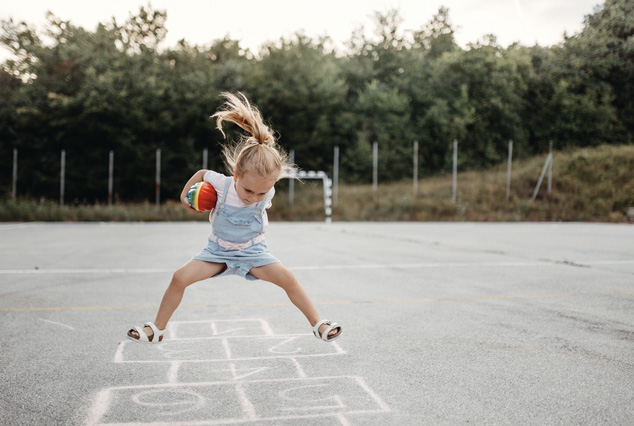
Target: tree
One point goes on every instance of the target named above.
(386, 120)
(602, 55)
(297, 86)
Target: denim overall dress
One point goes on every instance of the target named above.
(237, 238)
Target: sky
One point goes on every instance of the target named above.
(254, 22)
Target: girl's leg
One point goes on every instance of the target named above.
(191, 272)
(279, 275)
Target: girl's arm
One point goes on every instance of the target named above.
(197, 177)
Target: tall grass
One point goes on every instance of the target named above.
(588, 185)
(25, 210)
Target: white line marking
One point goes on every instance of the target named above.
(102, 400)
(18, 226)
(342, 419)
(225, 345)
(118, 355)
(272, 348)
(357, 379)
(300, 369)
(84, 271)
(250, 371)
(231, 330)
(553, 262)
(147, 399)
(266, 328)
(58, 323)
(249, 336)
(100, 406)
(246, 405)
(172, 373)
(370, 392)
(296, 390)
(416, 265)
(338, 348)
(156, 361)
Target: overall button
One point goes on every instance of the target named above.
(257, 212)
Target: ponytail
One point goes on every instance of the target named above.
(258, 151)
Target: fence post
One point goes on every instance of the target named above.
(454, 179)
(291, 183)
(550, 166)
(375, 170)
(158, 178)
(327, 197)
(415, 168)
(14, 184)
(335, 176)
(541, 176)
(110, 177)
(62, 177)
(508, 171)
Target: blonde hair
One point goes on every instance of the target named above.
(257, 152)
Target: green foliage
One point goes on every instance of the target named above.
(298, 86)
(118, 89)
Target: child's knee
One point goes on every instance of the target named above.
(180, 279)
(287, 280)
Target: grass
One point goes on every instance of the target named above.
(587, 185)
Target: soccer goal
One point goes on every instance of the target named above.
(327, 184)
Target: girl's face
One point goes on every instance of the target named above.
(252, 188)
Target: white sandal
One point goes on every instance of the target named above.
(157, 337)
(325, 335)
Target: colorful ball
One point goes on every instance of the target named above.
(202, 197)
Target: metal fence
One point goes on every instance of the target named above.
(331, 184)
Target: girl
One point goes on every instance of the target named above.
(236, 243)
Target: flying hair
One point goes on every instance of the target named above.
(257, 151)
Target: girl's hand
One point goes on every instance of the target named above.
(185, 202)
(197, 177)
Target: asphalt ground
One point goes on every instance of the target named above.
(444, 324)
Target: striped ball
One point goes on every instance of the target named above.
(202, 197)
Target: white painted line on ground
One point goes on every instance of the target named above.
(300, 369)
(58, 323)
(172, 373)
(225, 345)
(16, 226)
(342, 419)
(553, 262)
(102, 401)
(85, 271)
(297, 397)
(246, 405)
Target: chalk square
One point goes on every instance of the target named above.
(292, 345)
(170, 404)
(245, 370)
(211, 329)
(169, 351)
(312, 396)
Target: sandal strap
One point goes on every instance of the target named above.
(142, 336)
(325, 336)
(316, 328)
(157, 333)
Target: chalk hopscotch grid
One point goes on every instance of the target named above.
(239, 386)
